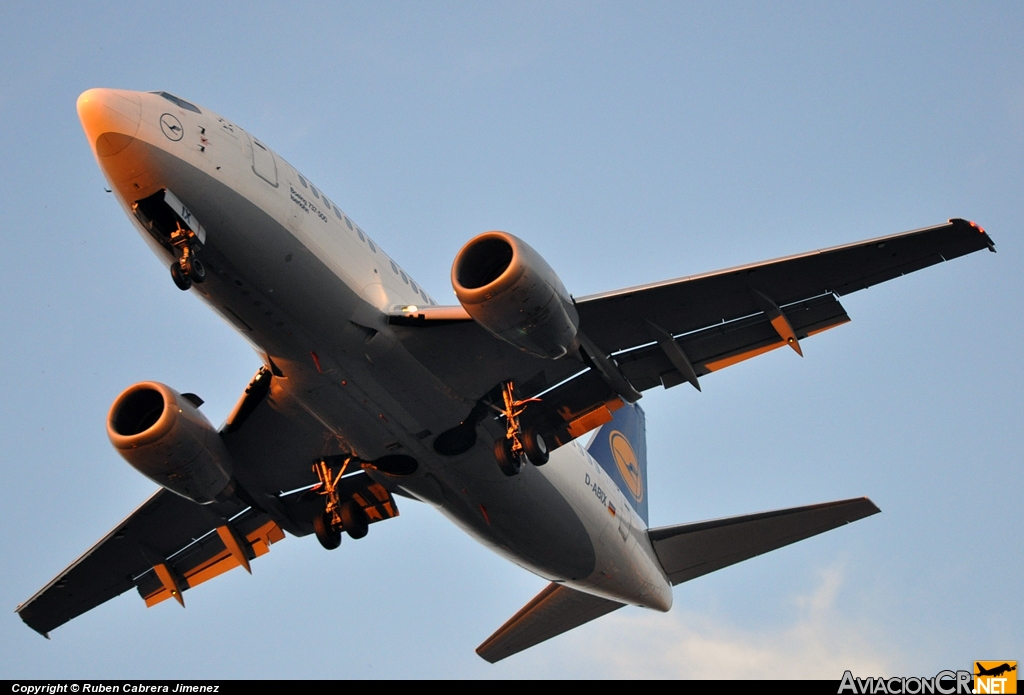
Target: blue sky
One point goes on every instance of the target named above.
(628, 143)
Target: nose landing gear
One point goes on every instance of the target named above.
(188, 268)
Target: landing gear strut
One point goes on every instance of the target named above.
(338, 515)
(187, 269)
(510, 449)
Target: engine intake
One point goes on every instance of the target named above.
(162, 434)
(510, 290)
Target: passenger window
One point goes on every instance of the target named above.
(394, 267)
(404, 279)
(370, 242)
(315, 194)
(415, 288)
(360, 233)
(424, 294)
(348, 222)
(337, 212)
(327, 203)
(303, 181)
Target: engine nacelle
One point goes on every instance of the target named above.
(163, 435)
(510, 290)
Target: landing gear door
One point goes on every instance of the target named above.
(263, 163)
(162, 214)
(185, 215)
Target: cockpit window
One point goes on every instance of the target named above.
(179, 102)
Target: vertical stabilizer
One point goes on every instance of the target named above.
(620, 447)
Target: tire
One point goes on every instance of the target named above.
(509, 464)
(196, 269)
(354, 520)
(328, 537)
(535, 447)
(183, 281)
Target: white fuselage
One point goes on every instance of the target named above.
(311, 292)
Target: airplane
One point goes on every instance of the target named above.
(514, 413)
(995, 671)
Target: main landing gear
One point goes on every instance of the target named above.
(187, 269)
(510, 449)
(338, 515)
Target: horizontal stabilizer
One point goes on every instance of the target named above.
(554, 610)
(688, 551)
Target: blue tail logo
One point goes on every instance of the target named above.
(620, 447)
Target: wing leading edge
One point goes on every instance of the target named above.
(686, 551)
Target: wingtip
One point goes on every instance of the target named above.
(977, 227)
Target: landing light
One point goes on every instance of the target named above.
(410, 309)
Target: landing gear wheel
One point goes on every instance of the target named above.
(353, 518)
(535, 447)
(183, 281)
(195, 269)
(325, 533)
(509, 463)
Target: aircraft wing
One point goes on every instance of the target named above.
(554, 610)
(688, 551)
(617, 320)
(168, 544)
(673, 332)
(171, 544)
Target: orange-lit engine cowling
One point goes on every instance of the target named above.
(510, 290)
(165, 437)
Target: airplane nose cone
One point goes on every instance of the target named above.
(110, 118)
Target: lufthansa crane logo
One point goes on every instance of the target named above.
(171, 127)
(629, 467)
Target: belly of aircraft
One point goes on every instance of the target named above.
(279, 306)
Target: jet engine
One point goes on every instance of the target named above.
(162, 434)
(510, 290)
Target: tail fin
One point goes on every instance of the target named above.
(620, 448)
